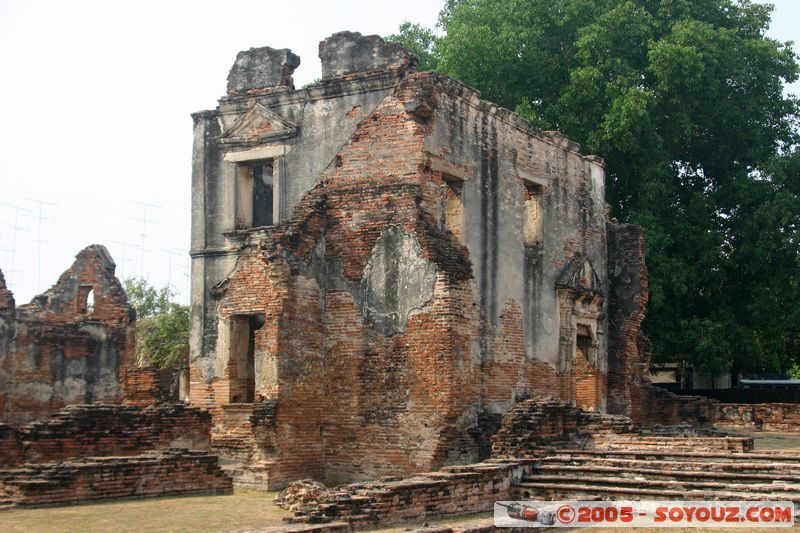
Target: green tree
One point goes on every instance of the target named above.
(162, 325)
(419, 40)
(684, 100)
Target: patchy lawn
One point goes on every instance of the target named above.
(768, 440)
(244, 509)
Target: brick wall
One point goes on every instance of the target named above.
(452, 491)
(763, 416)
(7, 321)
(535, 426)
(539, 426)
(104, 430)
(162, 473)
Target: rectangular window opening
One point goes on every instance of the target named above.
(84, 301)
(532, 229)
(255, 194)
(453, 215)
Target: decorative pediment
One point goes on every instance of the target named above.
(579, 276)
(258, 126)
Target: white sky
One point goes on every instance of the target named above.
(96, 124)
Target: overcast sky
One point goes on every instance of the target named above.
(95, 142)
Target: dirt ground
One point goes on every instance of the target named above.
(252, 510)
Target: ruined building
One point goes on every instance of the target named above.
(73, 344)
(383, 265)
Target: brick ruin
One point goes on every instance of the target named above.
(383, 265)
(79, 420)
(73, 344)
(391, 279)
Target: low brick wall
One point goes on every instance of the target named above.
(451, 491)
(537, 425)
(765, 416)
(103, 430)
(167, 472)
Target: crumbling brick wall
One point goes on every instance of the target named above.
(763, 416)
(630, 390)
(169, 472)
(536, 426)
(72, 344)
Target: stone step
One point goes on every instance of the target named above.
(683, 444)
(560, 490)
(737, 465)
(790, 491)
(649, 473)
(686, 455)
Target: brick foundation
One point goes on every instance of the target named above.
(536, 427)
(104, 430)
(763, 416)
(451, 491)
(163, 473)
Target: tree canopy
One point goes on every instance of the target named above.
(684, 99)
(162, 325)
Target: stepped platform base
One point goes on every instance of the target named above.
(162, 473)
(659, 473)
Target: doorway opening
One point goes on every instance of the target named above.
(585, 373)
(242, 361)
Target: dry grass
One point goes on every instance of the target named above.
(244, 509)
(770, 440)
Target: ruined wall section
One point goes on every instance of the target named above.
(630, 391)
(391, 333)
(7, 320)
(73, 343)
(504, 163)
(628, 370)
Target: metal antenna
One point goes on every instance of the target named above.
(14, 228)
(124, 259)
(39, 241)
(145, 221)
(171, 253)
